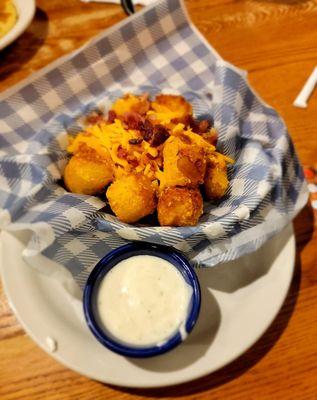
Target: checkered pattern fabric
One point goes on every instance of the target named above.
(155, 50)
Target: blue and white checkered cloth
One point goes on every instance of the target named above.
(157, 49)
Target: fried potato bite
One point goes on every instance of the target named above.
(131, 197)
(216, 180)
(179, 207)
(87, 176)
(147, 150)
(184, 163)
(131, 103)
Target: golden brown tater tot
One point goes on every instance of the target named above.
(216, 180)
(87, 176)
(131, 197)
(179, 206)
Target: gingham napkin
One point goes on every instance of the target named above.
(156, 49)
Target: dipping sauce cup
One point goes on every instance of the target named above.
(142, 300)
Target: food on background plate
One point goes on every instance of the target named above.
(148, 154)
(8, 16)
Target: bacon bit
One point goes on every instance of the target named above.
(111, 116)
(203, 126)
(132, 120)
(159, 136)
(191, 123)
(135, 141)
(133, 162)
(122, 153)
(95, 117)
(211, 136)
(197, 126)
(153, 134)
(146, 129)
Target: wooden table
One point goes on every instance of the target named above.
(276, 41)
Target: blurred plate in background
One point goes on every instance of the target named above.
(25, 10)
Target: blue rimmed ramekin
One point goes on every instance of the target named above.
(111, 260)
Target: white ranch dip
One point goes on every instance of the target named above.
(143, 300)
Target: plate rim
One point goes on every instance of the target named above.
(175, 381)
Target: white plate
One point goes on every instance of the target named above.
(239, 301)
(26, 10)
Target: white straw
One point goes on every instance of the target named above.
(301, 99)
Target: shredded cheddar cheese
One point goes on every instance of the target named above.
(147, 155)
(112, 140)
(129, 152)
